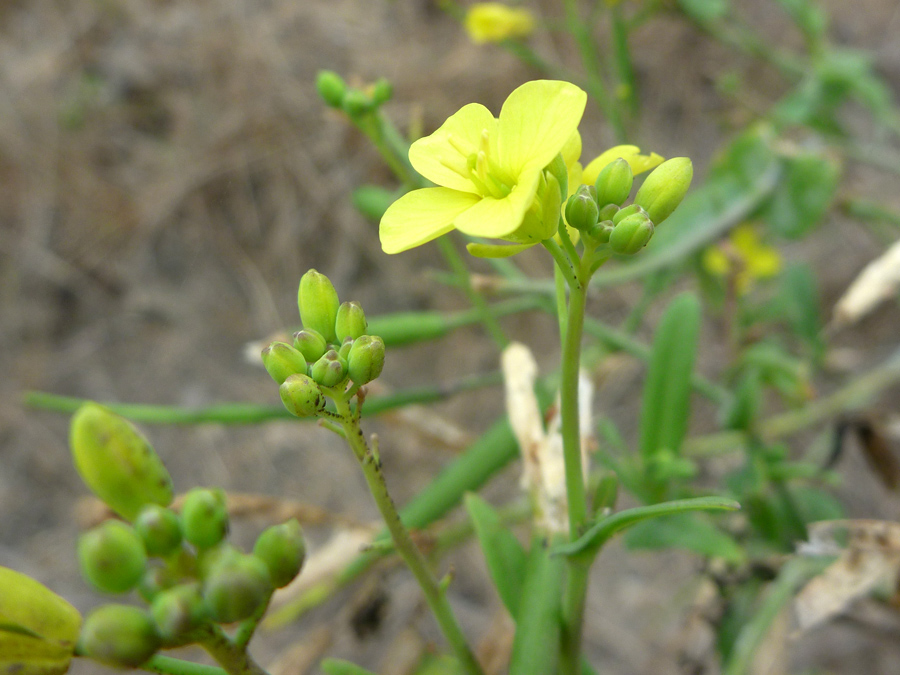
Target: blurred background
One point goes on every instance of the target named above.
(168, 172)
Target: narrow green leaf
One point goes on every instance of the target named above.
(505, 557)
(495, 250)
(666, 404)
(539, 622)
(685, 531)
(602, 531)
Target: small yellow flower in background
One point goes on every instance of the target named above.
(495, 22)
(490, 171)
(745, 256)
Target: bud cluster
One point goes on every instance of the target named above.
(598, 210)
(354, 101)
(331, 351)
(180, 563)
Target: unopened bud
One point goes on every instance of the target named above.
(608, 212)
(350, 321)
(382, 91)
(614, 183)
(581, 209)
(357, 103)
(622, 214)
(177, 611)
(330, 370)
(302, 396)
(318, 302)
(331, 88)
(631, 234)
(282, 360)
(236, 588)
(346, 346)
(204, 517)
(311, 344)
(601, 231)
(116, 462)
(366, 359)
(119, 635)
(664, 188)
(112, 557)
(282, 549)
(159, 529)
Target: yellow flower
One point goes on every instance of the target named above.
(744, 256)
(495, 22)
(490, 171)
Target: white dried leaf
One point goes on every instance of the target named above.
(879, 281)
(871, 558)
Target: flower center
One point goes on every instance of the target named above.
(478, 166)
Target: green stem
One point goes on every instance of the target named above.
(166, 665)
(435, 595)
(233, 658)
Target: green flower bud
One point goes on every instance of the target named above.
(112, 557)
(116, 462)
(581, 209)
(236, 588)
(346, 346)
(631, 234)
(282, 549)
(622, 214)
(331, 88)
(302, 396)
(208, 558)
(119, 635)
(382, 91)
(601, 232)
(177, 611)
(319, 304)
(40, 628)
(357, 103)
(204, 517)
(155, 580)
(350, 322)
(366, 359)
(282, 360)
(311, 344)
(159, 529)
(330, 370)
(608, 212)
(665, 187)
(614, 183)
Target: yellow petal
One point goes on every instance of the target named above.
(535, 123)
(494, 22)
(441, 157)
(630, 153)
(420, 216)
(496, 218)
(716, 262)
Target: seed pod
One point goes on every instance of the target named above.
(302, 396)
(29, 609)
(665, 188)
(311, 344)
(350, 322)
(119, 635)
(282, 360)
(112, 557)
(177, 611)
(631, 234)
(204, 517)
(116, 462)
(282, 549)
(330, 370)
(318, 302)
(331, 88)
(366, 359)
(236, 588)
(581, 209)
(159, 529)
(614, 183)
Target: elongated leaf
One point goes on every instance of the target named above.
(685, 531)
(539, 622)
(505, 557)
(602, 531)
(666, 404)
